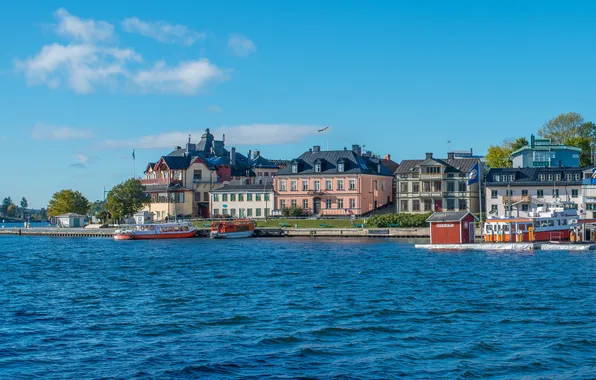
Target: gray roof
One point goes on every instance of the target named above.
(354, 164)
(244, 188)
(531, 176)
(155, 188)
(462, 165)
(449, 216)
(70, 214)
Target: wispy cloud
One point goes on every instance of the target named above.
(213, 109)
(82, 30)
(187, 78)
(43, 131)
(162, 31)
(84, 159)
(253, 134)
(241, 45)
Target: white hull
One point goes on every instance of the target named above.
(231, 235)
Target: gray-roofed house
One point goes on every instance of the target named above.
(435, 184)
(334, 183)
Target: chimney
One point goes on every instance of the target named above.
(345, 148)
(388, 157)
(310, 150)
(429, 156)
(316, 148)
(450, 155)
(257, 153)
(223, 138)
(233, 156)
(178, 147)
(356, 149)
(249, 155)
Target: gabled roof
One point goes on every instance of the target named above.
(70, 215)
(355, 164)
(531, 176)
(176, 162)
(449, 216)
(461, 165)
(262, 163)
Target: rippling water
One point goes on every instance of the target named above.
(281, 308)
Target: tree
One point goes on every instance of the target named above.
(564, 126)
(583, 143)
(10, 210)
(5, 204)
(68, 201)
(498, 156)
(24, 205)
(127, 198)
(519, 143)
(96, 207)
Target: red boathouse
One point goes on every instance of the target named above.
(452, 227)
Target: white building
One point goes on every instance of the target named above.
(522, 189)
(242, 201)
(70, 220)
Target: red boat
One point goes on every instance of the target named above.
(157, 231)
(233, 229)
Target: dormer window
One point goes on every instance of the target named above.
(340, 167)
(317, 168)
(294, 168)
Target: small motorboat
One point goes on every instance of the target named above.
(157, 231)
(232, 229)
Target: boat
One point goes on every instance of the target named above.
(552, 223)
(232, 229)
(176, 230)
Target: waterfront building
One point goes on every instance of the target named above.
(437, 184)
(242, 201)
(588, 193)
(70, 220)
(334, 183)
(180, 182)
(516, 191)
(452, 227)
(543, 153)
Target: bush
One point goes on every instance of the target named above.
(292, 211)
(403, 220)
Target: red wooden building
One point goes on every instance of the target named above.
(452, 227)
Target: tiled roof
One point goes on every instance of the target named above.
(177, 162)
(462, 165)
(531, 176)
(449, 216)
(355, 164)
(279, 163)
(244, 188)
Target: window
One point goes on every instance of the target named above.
(240, 197)
(568, 177)
(233, 212)
(205, 196)
(249, 197)
(232, 197)
(352, 203)
(257, 212)
(294, 169)
(382, 185)
(305, 203)
(463, 205)
(282, 204)
(197, 175)
(340, 184)
(450, 204)
(574, 193)
(494, 194)
(433, 169)
(426, 186)
(576, 176)
(555, 193)
(509, 193)
(541, 158)
(352, 184)
(282, 185)
(539, 193)
(437, 186)
(215, 197)
(328, 203)
(266, 197)
(463, 186)
(524, 207)
(524, 192)
(267, 212)
(317, 168)
(403, 206)
(294, 185)
(511, 177)
(304, 185)
(340, 203)
(293, 203)
(215, 211)
(496, 178)
(266, 174)
(249, 212)
(415, 205)
(340, 167)
(549, 177)
(557, 177)
(328, 184)
(317, 185)
(258, 197)
(415, 187)
(403, 187)
(542, 177)
(224, 197)
(428, 205)
(494, 209)
(241, 213)
(450, 186)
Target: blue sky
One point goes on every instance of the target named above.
(86, 82)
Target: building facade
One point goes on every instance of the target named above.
(334, 183)
(242, 201)
(436, 185)
(543, 153)
(515, 191)
(588, 193)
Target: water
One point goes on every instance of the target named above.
(21, 224)
(281, 308)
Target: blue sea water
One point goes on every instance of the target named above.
(282, 308)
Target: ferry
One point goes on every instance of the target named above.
(232, 229)
(553, 223)
(157, 231)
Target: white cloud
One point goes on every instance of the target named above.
(162, 31)
(213, 109)
(84, 159)
(83, 66)
(253, 134)
(187, 78)
(82, 30)
(42, 131)
(240, 45)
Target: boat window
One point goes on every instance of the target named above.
(558, 222)
(551, 223)
(505, 228)
(543, 223)
(536, 224)
(489, 228)
(564, 222)
(522, 227)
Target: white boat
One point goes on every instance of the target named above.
(157, 231)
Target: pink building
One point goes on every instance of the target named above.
(334, 183)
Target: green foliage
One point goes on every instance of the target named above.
(7, 202)
(584, 144)
(68, 201)
(292, 211)
(96, 207)
(103, 216)
(127, 198)
(498, 156)
(403, 220)
(564, 126)
(519, 143)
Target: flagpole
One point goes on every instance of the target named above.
(134, 164)
(480, 174)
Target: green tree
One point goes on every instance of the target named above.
(24, 205)
(68, 201)
(584, 144)
(519, 143)
(127, 198)
(5, 204)
(498, 156)
(564, 126)
(11, 210)
(96, 207)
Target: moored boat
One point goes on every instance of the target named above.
(157, 231)
(232, 229)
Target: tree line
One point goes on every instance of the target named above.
(569, 129)
(11, 210)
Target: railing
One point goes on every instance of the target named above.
(315, 192)
(516, 199)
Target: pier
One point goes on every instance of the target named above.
(520, 247)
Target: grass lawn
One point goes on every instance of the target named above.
(304, 223)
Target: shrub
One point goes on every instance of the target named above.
(403, 220)
(292, 211)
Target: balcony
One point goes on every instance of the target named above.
(315, 192)
(516, 199)
(159, 181)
